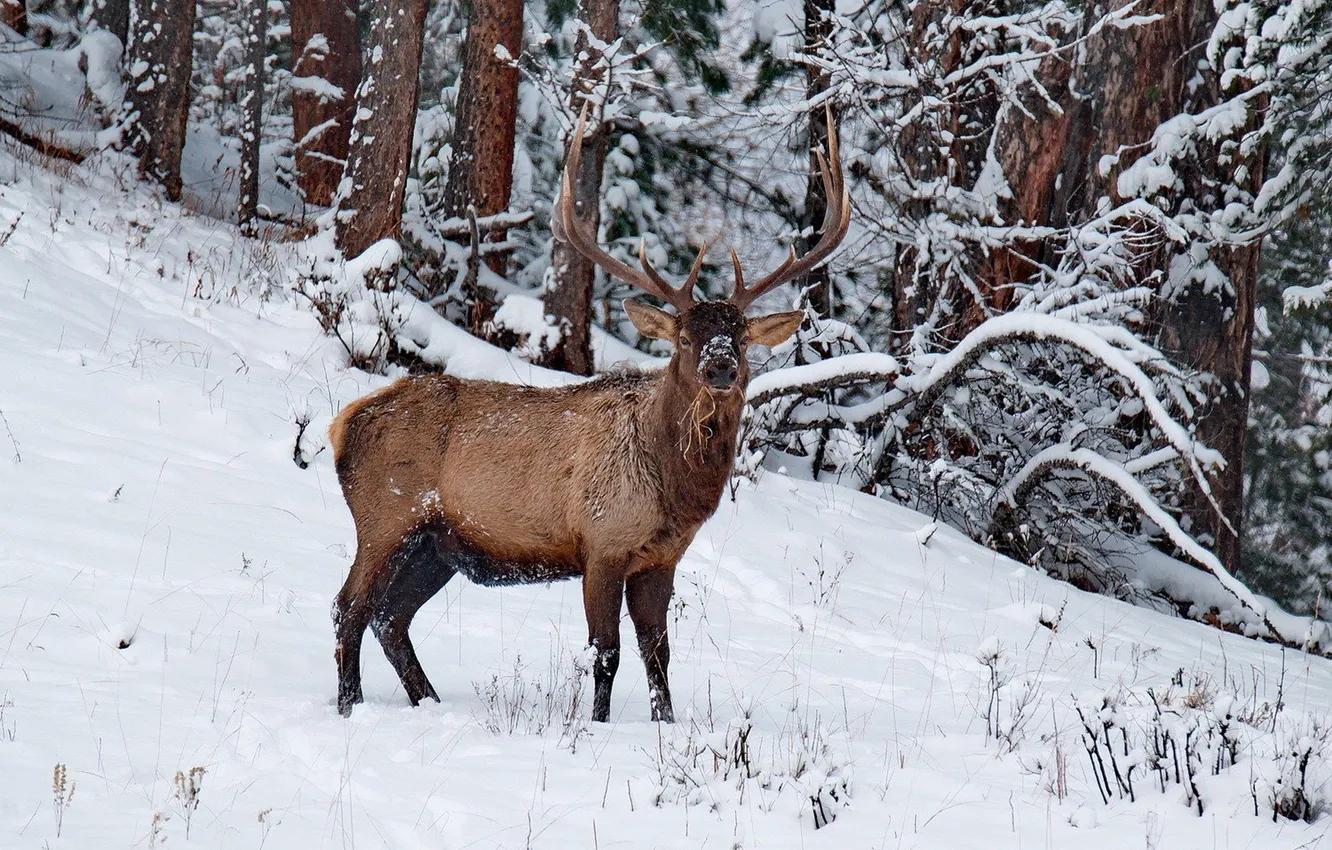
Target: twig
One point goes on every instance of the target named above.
(18, 458)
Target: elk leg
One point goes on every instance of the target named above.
(602, 598)
(648, 593)
(351, 614)
(417, 572)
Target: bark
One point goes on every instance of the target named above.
(818, 33)
(481, 166)
(247, 208)
(568, 297)
(369, 200)
(14, 14)
(321, 124)
(974, 107)
(159, 95)
(113, 16)
(1130, 81)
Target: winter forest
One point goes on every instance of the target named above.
(1082, 316)
(1080, 311)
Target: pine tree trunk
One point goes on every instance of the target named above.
(1129, 82)
(114, 17)
(14, 14)
(159, 93)
(818, 32)
(974, 104)
(322, 118)
(568, 296)
(247, 207)
(481, 166)
(369, 201)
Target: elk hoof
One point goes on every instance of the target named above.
(345, 703)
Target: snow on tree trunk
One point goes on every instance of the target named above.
(112, 16)
(323, 105)
(247, 206)
(369, 197)
(818, 35)
(481, 165)
(568, 294)
(1065, 157)
(14, 14)
(944, 55)
(158, 95)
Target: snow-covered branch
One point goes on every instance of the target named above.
(1064, 457)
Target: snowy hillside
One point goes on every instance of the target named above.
(166, 572)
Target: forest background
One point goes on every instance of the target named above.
(1082, 311)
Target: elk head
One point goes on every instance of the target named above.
(710, 337)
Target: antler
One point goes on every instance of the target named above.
(567, 227)
(835, 223)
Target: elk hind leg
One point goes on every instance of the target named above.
(352, 611)
(416, 573)
(648, 593)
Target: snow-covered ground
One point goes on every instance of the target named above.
(166, 573)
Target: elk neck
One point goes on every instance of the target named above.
(692, 433)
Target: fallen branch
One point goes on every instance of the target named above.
(44, 146)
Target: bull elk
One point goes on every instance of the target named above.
(608, 479)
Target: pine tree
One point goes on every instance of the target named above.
(567, 297)
(112, 16)
(160, 54)
(369, 199)
(14, 14)
(327, 70)
(252, 106)
(1288, 462)
(481, 169)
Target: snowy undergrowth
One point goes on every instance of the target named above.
(839, 662)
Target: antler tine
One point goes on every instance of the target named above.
(836, 221)
(680, 297)
(566, 226)
(688, 285)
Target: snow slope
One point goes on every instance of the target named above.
(166, 573)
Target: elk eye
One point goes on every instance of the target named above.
(686, 342)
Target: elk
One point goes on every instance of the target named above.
(608, 479)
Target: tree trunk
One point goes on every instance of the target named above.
(369, 200)
(818, 32)
(159, 93)
(114, 17)
(323, 102)
(481, 167)
(14, 14)
(568, 295)
(918, 293)
(1130, 81)
(247, 206)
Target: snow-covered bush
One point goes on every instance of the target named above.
(1195, 741)
(524, 701)
(724, 765)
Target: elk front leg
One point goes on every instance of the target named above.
(648, 593)
(602, 598)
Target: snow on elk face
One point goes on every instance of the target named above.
(713, 342)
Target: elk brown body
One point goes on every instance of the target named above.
(609, 479)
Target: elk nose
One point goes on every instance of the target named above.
(720, 374)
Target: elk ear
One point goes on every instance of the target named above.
(774, 328)
(649, 320)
